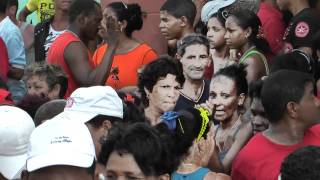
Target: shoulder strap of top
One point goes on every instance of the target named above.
(253, 52)
(201, 173)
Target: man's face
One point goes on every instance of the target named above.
(99, 134)
(169, 26)
(91, 23)
(194, 61)
(258, 116)
(309, 106)
(63, 4)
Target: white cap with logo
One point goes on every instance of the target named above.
(16, 127)
(60, 142)
(86, 103)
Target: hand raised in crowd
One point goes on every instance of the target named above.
(203, 150)
(110, 30)
(207, 146)
(208, 106)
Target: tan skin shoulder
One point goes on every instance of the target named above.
(216, 176)
(255, 68)
(76, 57)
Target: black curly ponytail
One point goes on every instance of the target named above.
(131, 13)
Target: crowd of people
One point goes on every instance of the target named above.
(237, 96)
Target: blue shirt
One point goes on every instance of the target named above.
(196, 175)
(12, 37)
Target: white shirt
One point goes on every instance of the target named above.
(52, 35)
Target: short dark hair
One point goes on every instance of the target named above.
(49, 110)
(295, 60)
(191, 40)
(98, 120)
(302, 164)
(131, 13)
(144, 143)
(90, 170)
(78, 7)
(31, 102)
(255, 89)
(12, 3)
(3, 85)
(53, 75)
(316, 41)
(238, 74)
(157, 69)
(3, 6)
(179, 8)
(313, 3)
(279, 89)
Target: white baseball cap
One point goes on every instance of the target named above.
(86, 103)
(213, 7)
(16, 127)
(60, 142)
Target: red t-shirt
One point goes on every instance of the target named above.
(5, 97)
(4, 61)
(273, 26)
(261, 159)
(124, 70)
(56, 56)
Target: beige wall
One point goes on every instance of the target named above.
(150, 32)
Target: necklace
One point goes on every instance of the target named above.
(187, 168)
(224, 136)
(195, 99)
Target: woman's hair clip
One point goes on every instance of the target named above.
(307, 58)
(205, 120)
(124, 4)
(129, 98)
(170, 119)
(225, 14)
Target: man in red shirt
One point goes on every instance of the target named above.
(4, 61)
(273, 25)
(292, 109)
(70, 50)
(303, 26)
